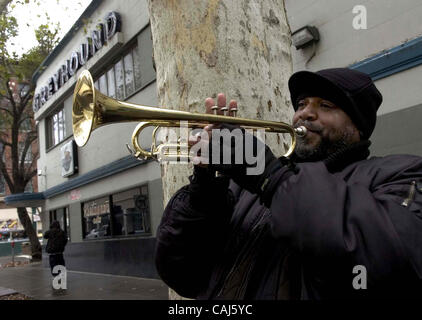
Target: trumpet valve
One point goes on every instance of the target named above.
(214, 109)
(130, 149)
(135, 154)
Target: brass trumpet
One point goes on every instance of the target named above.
(92, 109)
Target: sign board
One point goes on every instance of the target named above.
(68, 159)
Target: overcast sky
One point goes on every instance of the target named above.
(64, 11)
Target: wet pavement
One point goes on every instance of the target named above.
(35, 281)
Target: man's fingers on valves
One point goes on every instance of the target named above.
(220, 108)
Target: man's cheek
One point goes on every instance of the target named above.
(312, 138)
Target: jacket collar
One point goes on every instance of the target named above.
(343, 157)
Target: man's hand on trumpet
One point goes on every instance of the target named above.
(202, 160)
(232, 151)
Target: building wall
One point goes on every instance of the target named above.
(102, 148)
(105, 153)
(106, 144)
(389, 24)
(147, 174)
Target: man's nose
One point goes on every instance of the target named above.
(309, 112)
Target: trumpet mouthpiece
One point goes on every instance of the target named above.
(301, 131)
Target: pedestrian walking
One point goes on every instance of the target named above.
(57, 240)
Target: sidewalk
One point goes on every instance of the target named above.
(35, 281)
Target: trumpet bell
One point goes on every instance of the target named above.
(83, 111)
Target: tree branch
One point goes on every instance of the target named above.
(28, 171)
(28, 143)
(25, 99)
(5, 143)
(22, 120)
(31, 172)
(10, 97)
(6, 175)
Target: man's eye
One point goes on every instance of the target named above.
(301, 104)
(327, 105)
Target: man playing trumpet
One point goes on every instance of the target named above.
(300, 228)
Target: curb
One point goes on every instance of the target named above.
(6, 292)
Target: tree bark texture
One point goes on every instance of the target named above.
(26, 222)
(240, 48)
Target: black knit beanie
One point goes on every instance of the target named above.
(351, 90)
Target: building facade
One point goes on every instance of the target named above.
(381, 38)
(107, 201)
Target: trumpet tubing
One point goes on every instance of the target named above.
(92, 109)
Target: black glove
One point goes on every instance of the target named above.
(203, 184)
(251, 161)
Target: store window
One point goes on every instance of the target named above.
(96, 218)
(121, 214)
(131, 211)
(62, 216)
(56, 128)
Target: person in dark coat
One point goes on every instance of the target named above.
(326, 223)
(57, 240)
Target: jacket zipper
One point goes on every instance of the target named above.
(412, 191)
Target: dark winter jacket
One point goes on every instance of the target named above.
(57, 239)
(217, 241)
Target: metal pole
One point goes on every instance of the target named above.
(34, 223)
(13, 250)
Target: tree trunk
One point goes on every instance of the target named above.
(240, 48)
(26, 222)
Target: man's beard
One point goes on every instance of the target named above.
(306, 153)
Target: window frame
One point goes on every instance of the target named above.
(66, 225)
(146, 216)
(49, 127)
(120, 58)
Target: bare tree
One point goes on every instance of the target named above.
(18, 133)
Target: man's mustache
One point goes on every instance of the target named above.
(309, 125)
